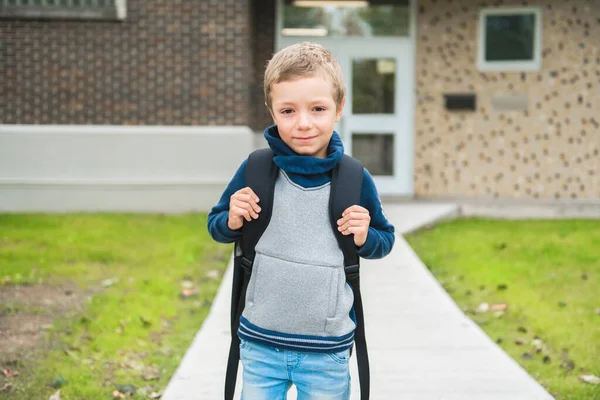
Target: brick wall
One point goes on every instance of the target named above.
(263, 47)
(170, 62)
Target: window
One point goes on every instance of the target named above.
(373, 86)
(64, 9)
(345, 18)
(375, 151)
(510, 39)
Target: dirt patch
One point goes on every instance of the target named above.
(26, 312)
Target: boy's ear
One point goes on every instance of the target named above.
(340, 109)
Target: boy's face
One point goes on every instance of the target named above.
(305, 114)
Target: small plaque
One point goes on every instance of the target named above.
(460, 102)
(510, 102)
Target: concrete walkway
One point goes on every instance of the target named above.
(421, 345)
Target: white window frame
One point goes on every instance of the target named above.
(510, 66)
(116, 11)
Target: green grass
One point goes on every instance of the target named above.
(551, 274)
(137, 326)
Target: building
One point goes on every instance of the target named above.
(446, 99)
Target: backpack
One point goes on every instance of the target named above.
(346, 185)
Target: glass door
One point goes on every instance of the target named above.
(375, 50)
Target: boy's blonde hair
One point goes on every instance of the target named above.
(301, 60)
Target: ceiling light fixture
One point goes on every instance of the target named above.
(304, 32)
(325, 3)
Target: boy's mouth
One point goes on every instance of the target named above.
(305, 139)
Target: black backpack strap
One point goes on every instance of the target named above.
(261, 173)
(346, 187)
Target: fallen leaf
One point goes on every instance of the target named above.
(593, 379)
(55, 396)
(483, 307)
(118, 395)
(213, 274)
(539, 345)
(568, 364)
(155, 395)
(188, 293)
(5, 387)
(8, 372)
(109, 282)
(134, 365)
(187, 284)
(520, 342)
(499, 307)
(151, 375)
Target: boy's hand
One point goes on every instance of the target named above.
(242, 205)
(356, 220)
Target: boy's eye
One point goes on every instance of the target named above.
(286, 111)
(319, 109)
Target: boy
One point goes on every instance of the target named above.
(297, 326)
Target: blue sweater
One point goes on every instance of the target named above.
(308, 172)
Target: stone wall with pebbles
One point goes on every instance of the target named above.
(551, 150)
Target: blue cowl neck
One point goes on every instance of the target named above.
(306, 171)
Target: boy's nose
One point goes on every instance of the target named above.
(304, 121)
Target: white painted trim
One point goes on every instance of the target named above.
(109, 182)
(123, 129)
(510, 66)
(65, 168)
(121, 6)
(412, 99)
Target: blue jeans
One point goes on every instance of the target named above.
(268, 373)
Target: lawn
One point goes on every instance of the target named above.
(546, 274)
(101, 305)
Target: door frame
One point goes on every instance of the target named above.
(403, 184)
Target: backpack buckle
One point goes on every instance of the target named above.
(246, 265)
(352, 271)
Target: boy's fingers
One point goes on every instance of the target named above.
(248, 198)
(240, 212)
(247, 207)
(250, 192)
(354, 216)
(353, 229)
(353, 224)
(355, 208)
